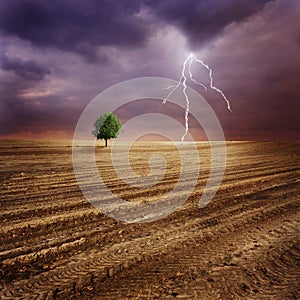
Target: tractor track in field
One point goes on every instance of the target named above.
(243, 245)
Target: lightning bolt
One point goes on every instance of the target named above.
(187, 64)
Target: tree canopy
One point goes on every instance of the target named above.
(107, 126)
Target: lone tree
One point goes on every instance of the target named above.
(107, 126)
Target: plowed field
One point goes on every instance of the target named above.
(242, 245)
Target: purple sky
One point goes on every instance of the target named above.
(56, 56)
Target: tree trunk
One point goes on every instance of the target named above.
(105, 142)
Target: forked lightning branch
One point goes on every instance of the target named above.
(187, 68)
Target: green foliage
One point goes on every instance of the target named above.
(107, 126)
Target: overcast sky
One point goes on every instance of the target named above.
(57, 55)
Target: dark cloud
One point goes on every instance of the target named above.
(27, 69)
(76, 26)
(203, 20)
(84, 26)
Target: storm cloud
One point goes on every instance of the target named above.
(84, 27)
(75, 26)
(28, 69)
(202, 21)
(56, 56)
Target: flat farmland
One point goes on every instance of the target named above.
(243, 245)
